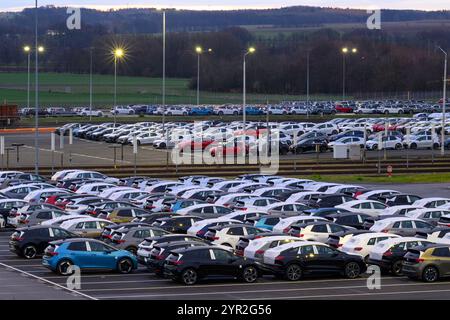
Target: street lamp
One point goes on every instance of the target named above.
(250, 50)
(345, 51)
(118, 54)
(444, 100)
(28, 50)
(199, 51)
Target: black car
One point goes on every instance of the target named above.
(160, 252)
(189, 265)
(314, 259)
(401, 199)
(309, 145)
(31, 242)
(176, 224)
(152, 217)
(349, 133)
(108, 230)
(329, 200)
(392, 260)
(349, 219)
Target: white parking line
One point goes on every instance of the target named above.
(350, 295)
(47, 281)
(259, 291)
(246, 285)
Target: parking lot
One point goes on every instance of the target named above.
(85, 152)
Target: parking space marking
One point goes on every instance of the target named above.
(349, 295)
(258, 291)
(48, 281)
(246, 285)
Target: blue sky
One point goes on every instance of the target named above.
(14, 5)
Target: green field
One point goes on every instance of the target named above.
(73, 90)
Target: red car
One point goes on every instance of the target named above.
(343, 108)
(194, 145)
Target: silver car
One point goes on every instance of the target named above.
(129, 239)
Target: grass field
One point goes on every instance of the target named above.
(400, 178)
(73, 90)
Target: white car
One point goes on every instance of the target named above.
(85, 174)
(389, 142)
(317, 231)
(422, 142)
(229, 235)
(303, 196)
(257, 247)
(375, 194)
(369, 207)
(94, 189)
(362, 244)
(36, 195)
(176, 112)
(258, 203)
(440, 236)
(326, 128)
(90, 112)
(109, 191)
(347, 141)
(199, 225)
(59, 220)
(431, 202)
(146, 138)
(4, 175)
(285, 224)
(402, 210)
(122, 110)
(389, 109)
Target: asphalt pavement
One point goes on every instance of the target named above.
(29, 279)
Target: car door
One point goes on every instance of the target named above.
(407, 228)
(224, 263)
(420, 226)
(90, 229)
(100, 256)
(328, 259)
(442, 256)
(79, 254)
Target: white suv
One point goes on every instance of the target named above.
(122, 110)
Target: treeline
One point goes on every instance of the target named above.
(386, 61)
(145, 21)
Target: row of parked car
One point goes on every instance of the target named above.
(283, 108)
(200, 226)
(221, 138)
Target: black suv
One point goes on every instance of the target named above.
(31, 242)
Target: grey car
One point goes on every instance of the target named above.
(129, 239)
(31, 218)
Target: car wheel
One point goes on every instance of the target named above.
(396, 268)
(133, 250)
(293, 272)
(220, 113)
(436, 146)
(184, 113)
(386, 112)
(189, 277)
(334, 132)
(398, 146)
(413, 146)
(29, 252)
(430, 274)
(235, 113)
(250, 274)
(64, 267)
(125, 265)
(352, 270)
(293, 113)
(375, 147)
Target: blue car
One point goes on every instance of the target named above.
(184, 203)
(268, 222)
(253, 111)
(200, 112)
(87, 254)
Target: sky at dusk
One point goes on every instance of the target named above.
(15, 5)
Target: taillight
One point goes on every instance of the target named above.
(259, 251)
(385, 230)
(387, 253)
(357, 248)
(215, 238)
(286, 230)
(340, 245)
(279, 259)
(177, 263)
(301, 235)
(200, 233)
(418, 260)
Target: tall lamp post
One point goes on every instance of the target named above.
(250, 50)
(90, 82)
(444, 100)
(27, 50)
(345, 51)
(118, 54)
(199, 51)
